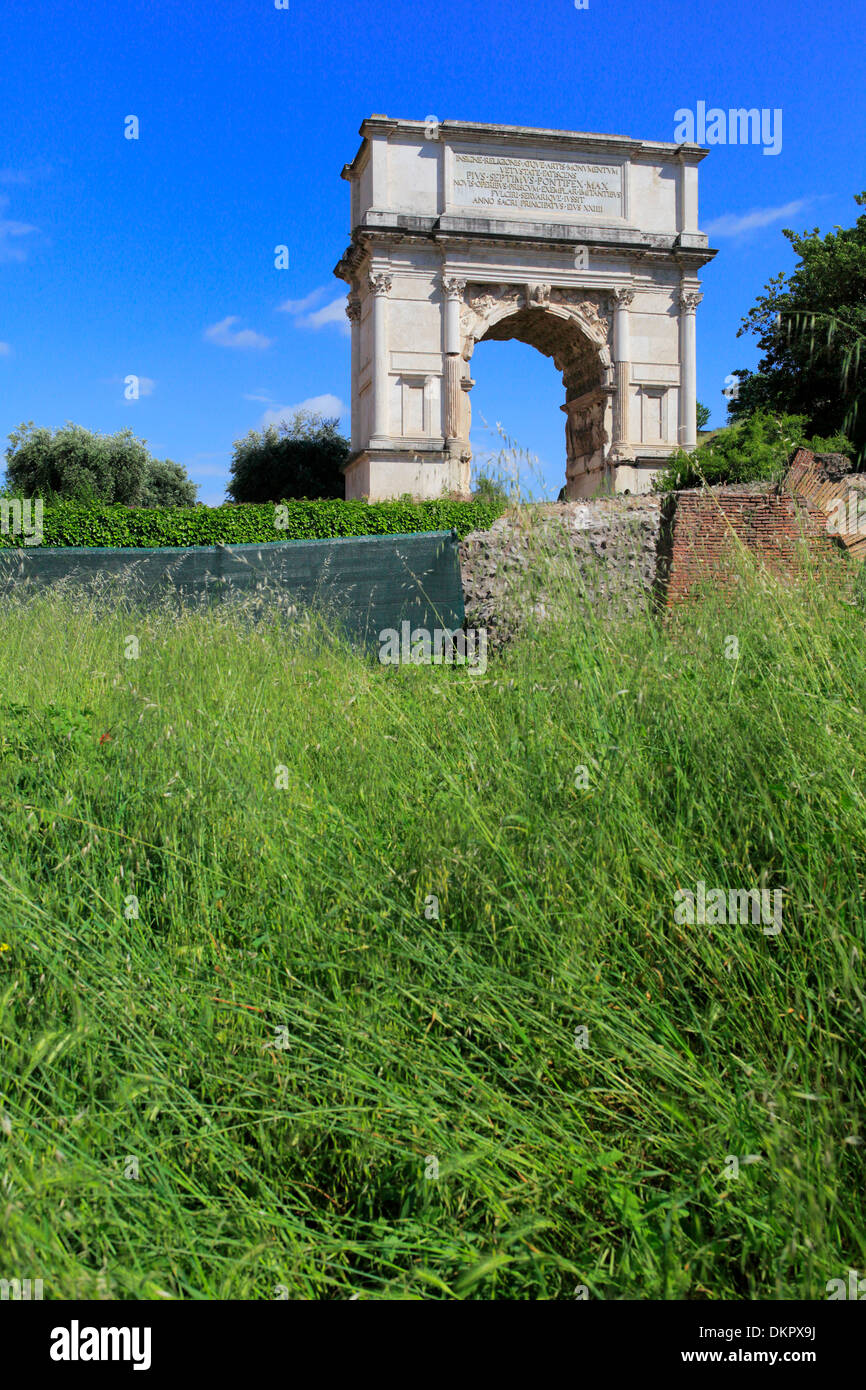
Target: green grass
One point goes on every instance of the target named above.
(409, 1039)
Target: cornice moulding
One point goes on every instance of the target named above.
(452, 131)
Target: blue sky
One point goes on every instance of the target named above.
(155, 257)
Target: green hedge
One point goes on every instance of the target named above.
(83, 524)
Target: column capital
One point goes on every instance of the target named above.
(622, 296)
(453, 286)
(353, 308)
(380, 282)
(689, 300)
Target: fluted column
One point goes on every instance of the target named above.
(380, 285)
(688, 431)
(622, 298)
(353, 313)
(452, 288)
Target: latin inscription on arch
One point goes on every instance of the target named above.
(519, 184)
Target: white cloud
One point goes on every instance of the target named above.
(300, 306)
(335, 312)
(327, 405)
(306, 316)
(224, 335)
(733, 224)
(10, 248)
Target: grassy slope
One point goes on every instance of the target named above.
(303, 909)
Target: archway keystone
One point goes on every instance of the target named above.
(585, 246)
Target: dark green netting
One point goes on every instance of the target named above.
(365, 583)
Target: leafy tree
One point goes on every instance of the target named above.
(75, 462)
(86, 466)
(703, 415)
(811, 327)
(754, 449)
(167, 484)
(819, 332)
(301, 457)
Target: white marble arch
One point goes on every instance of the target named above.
(586, 246)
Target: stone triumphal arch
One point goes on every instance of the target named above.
(585, 246)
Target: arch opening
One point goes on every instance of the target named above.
(575, 338)
(517, 428)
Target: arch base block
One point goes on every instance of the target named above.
(420, 471)
(634, 475)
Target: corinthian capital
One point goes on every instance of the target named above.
(353, 308)
(622, 296)
(453, 286)
(380, 282)
(689, 300)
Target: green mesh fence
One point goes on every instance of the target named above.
(363, 583)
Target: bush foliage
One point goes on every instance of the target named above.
(755, 449)
(82, 524)
(490, 490)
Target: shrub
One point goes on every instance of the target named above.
(490, 490)
(69, 523)
(754, 449)
(834, 444)
(302, 457)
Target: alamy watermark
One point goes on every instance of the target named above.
(77, 1343)
(421, 647)
(20, 1289)
(847, 516)
(732, 906)
(735, 127)
(855, 1287)
(22, 518)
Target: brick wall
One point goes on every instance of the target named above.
(700, 531)
(809, 470)
(826, 481)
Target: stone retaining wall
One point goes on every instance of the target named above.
(535, 556)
